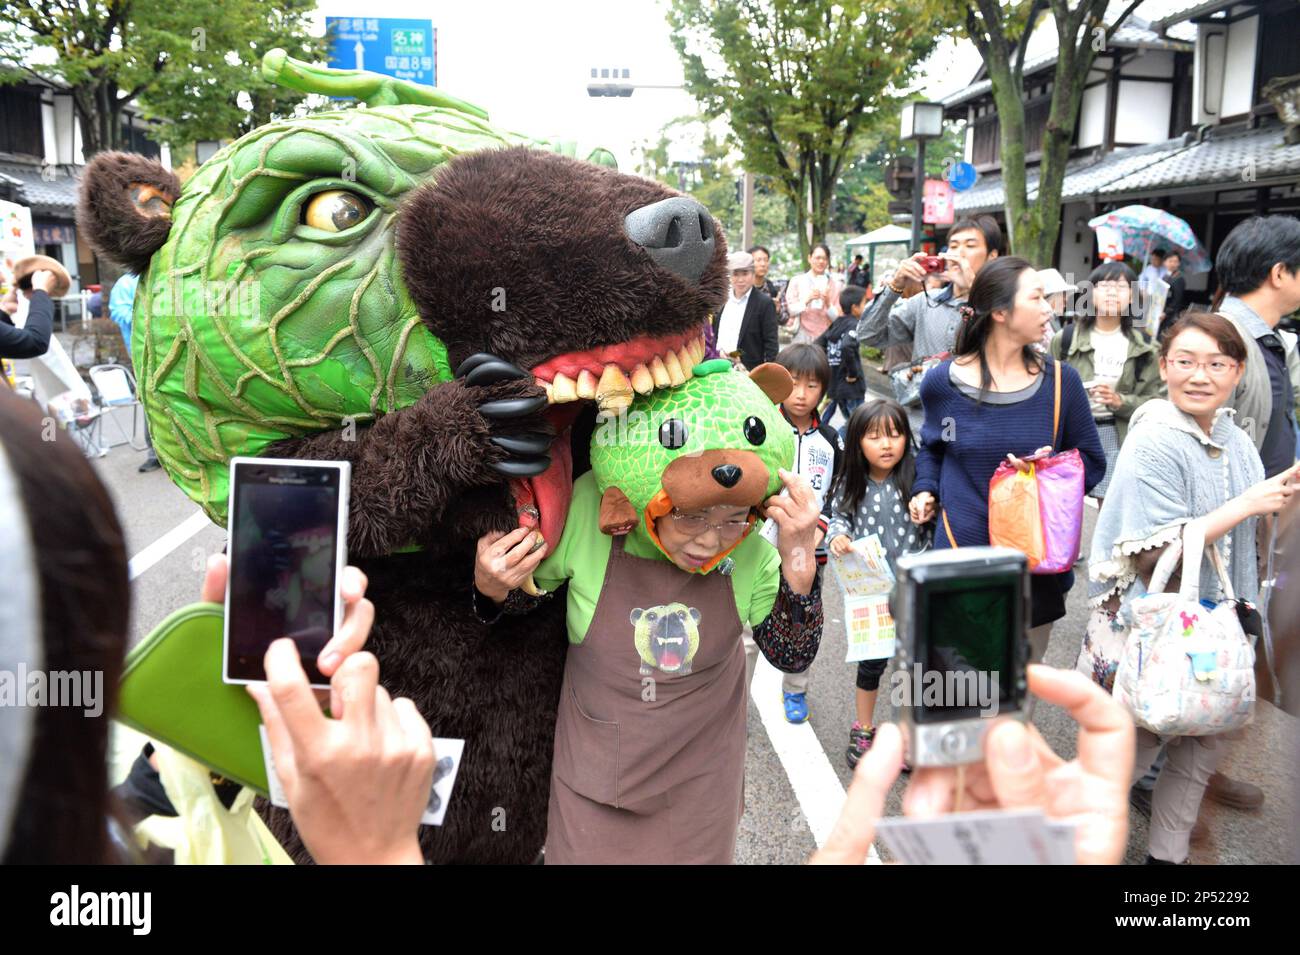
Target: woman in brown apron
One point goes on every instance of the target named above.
(664, 573)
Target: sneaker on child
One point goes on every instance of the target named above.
(860, 740)
(796, 707)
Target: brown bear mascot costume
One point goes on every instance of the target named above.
(540, 284)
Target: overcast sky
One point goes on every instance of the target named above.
(528, 64)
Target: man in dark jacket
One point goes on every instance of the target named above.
(746, 327)
(1177, 299)
(859, 273)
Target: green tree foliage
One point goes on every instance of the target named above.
(1000, 31)
(800, 80)
(185, 61)
(714, 179)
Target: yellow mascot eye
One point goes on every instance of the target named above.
(336, 210)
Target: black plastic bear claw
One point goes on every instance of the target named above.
(512, 408)
(522, 467)
(472, 362)
(493, 371)
(526, 454)
(524, 443)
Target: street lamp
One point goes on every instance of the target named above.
(922, 122)
(608, 82)
(617, 81)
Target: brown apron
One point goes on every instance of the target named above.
(650, 741)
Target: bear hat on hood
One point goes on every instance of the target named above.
(717, 439)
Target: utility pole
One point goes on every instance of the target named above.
(747, 227)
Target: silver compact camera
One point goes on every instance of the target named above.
(961, 618)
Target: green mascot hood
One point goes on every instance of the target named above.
(717, 439)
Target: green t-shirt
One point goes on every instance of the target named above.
(583, 554)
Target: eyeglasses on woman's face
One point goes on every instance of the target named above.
(726, 521)
(1215, 367)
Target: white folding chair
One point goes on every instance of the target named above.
(115, 386)
(80, 417)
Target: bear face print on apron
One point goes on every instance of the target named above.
(650, 738)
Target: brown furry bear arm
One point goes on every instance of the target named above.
(411, 467)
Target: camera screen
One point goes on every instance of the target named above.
(283, 556)
(968, 635)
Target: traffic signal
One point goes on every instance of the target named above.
(900, 178)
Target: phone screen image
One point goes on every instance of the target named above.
(284, 556)
(970, 633)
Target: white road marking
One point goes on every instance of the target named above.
(167, 543)
(816, 786)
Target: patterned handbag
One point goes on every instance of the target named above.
(1187, 670)
(1103, 648)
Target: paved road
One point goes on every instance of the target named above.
(794, 775)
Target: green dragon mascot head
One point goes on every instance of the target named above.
(323, 271)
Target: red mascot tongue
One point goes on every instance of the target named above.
(543, 501)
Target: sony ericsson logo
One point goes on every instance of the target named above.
(103, 908)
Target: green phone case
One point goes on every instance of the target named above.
(172, 691)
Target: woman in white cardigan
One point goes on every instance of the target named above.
(813, 297)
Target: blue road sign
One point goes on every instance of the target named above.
(961, 176)
(403, 49)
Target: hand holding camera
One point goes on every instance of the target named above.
(1018, 771)
(911, 274)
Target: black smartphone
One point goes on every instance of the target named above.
(288, 546)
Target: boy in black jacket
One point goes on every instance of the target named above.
(840, 342)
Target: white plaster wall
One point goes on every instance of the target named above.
(1239, 69)
(1092, 117)
(1142, 114)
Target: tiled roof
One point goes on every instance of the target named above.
(57, 196)
(1241, 156)
(1094, 175)
(1134, 34)
(1181, 12)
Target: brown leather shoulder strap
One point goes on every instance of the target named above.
(952, 541)
(1056, 409)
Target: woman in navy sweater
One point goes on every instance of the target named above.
(994, 401)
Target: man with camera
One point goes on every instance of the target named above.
(900, 314)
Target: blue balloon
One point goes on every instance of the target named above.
(962, 175)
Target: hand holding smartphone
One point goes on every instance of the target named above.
(288, 534)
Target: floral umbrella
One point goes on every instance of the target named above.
(1141, 226)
